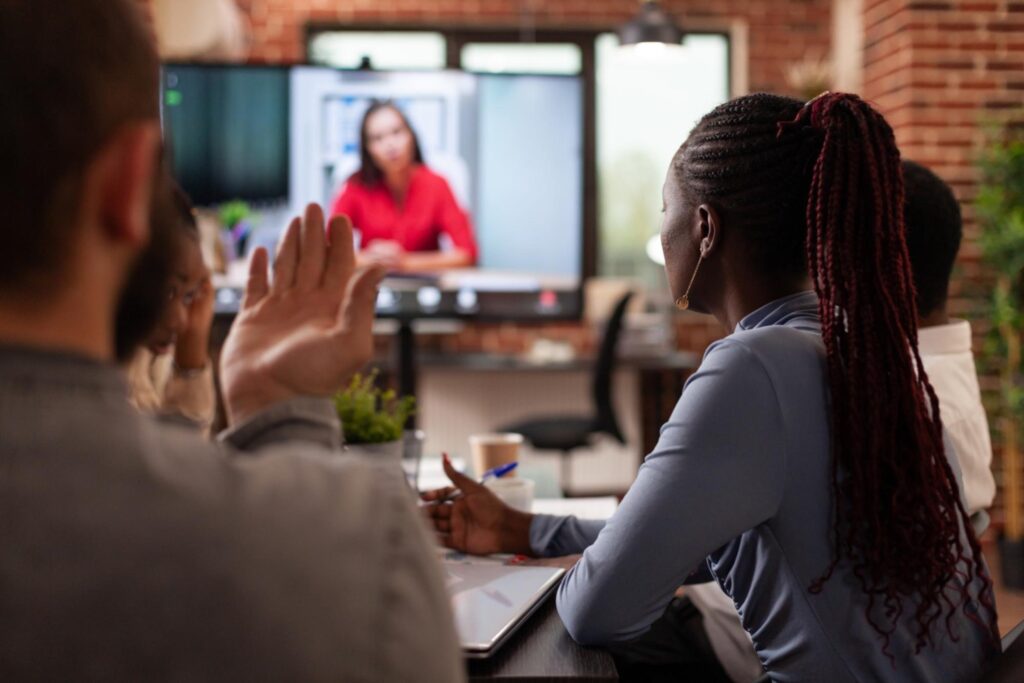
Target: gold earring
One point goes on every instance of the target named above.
(683, 302)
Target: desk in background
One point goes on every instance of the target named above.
(660, 382)
(661, 377)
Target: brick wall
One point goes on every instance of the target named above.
(939, 70)
(780, 31)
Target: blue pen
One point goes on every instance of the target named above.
(499, 471)
(493, 473)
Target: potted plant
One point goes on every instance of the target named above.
(373, 420)
(810, 76)
(1000, 207)
(236, 219)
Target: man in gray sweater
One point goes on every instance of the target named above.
(133, 550)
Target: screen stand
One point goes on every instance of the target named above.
(405, 363)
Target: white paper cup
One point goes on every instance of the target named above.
(515, 492)
(493, 450)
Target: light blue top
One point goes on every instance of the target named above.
(740, 484)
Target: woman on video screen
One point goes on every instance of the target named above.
(399, 206)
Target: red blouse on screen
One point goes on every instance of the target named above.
(429, 210)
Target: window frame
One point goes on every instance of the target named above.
(311, 29)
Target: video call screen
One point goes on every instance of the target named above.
(509, 148)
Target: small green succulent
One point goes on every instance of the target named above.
(371, 415)
(233, 212)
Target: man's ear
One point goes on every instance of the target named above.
(708, 227)
(121, 179)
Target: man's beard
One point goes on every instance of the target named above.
(145, 294)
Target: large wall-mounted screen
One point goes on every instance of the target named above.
(469, 186)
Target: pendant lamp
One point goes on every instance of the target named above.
(652, 24)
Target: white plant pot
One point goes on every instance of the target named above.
(405, 453)
(389, 450)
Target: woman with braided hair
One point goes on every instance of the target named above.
(803, 467)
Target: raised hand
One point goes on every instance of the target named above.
(307, 332)
(476, 521)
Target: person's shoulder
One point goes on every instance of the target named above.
(307, 476)
(339, 530)
(292, 477)
(349, 526)
(758, 342)
(353, 185)
(429, 178)
(949, 341)
(769, 352)
(774, 343)
(321, 504)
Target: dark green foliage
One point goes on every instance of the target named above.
(1000, 210)
(371, 415)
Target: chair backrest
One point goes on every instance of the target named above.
(1009, 666)
(604, 367)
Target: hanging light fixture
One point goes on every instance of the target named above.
(652, 24)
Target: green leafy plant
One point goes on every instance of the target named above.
(810, 76)
(232, 213)
(1000, 210)
(371, 415)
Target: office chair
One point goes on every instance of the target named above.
(565, 433)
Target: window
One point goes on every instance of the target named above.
(648, 99)
(524, 58)
(386, 50)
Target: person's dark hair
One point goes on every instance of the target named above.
(817, 187)
(369, 174)
(183, 210)
(932, 217)
(71, 73)
(144, 297)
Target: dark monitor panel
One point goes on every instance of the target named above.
(226, 129)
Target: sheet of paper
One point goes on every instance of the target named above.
(584, 508)
(432, 474)
(455, 557)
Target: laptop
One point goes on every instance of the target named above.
(492, 600)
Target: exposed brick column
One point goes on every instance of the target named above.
(939, 70)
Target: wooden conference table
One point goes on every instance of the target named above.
(542, 651)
